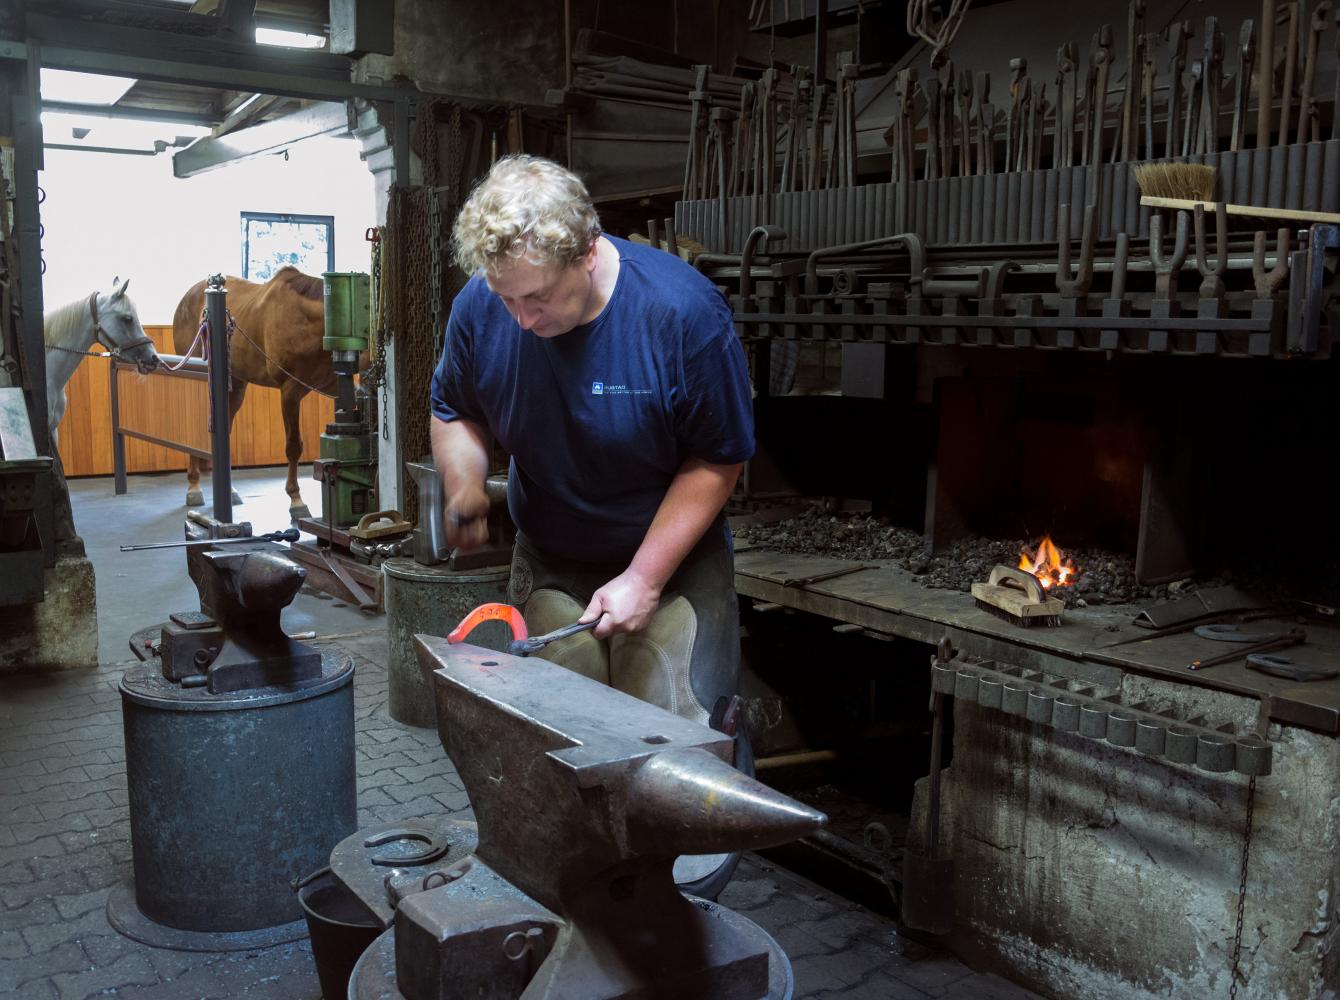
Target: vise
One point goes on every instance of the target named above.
(584, 797)
(235, 641)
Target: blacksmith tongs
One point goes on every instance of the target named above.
(1266, 642)
(522, 643)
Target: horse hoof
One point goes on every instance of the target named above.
(195, 498)
(237, 499)
(299, 511)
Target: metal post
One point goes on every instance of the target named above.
(118, 439)
(216, 314)
(26, 125)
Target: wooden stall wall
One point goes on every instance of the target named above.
(176, 409)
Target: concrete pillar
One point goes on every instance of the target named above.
(59, 633)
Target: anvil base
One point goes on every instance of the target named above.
(374, 977)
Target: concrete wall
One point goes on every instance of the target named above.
(1088, 870)
(497, 53)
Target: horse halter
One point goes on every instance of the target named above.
(105, 339)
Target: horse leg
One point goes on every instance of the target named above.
(235, 397)
(195, 497)
(290, 404)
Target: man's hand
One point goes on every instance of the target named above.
(625, 604)
(467, 525)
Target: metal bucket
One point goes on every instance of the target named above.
(431, 600)
(340, 928)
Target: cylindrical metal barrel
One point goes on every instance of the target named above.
(233, 796)
(432, 600)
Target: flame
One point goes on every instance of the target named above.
(1048, 565)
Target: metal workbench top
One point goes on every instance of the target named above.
(1091, 643)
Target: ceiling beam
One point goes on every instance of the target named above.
(129, 111)
(258, 140)
(245, 114)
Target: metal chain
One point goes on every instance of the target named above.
(1242, 890)
(375, 377)
(435, 266)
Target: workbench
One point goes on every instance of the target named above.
(1092, 644)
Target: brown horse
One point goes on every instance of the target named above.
(276, 342)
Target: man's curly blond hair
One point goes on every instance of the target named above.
(525, 207)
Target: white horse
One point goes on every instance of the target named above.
(107, 319)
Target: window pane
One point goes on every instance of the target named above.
(270, 242)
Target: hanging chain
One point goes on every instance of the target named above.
(1242, 890)
(375, 377)
(435, 266)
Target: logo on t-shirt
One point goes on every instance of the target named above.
(605, 389)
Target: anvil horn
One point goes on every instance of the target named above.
(690, 801)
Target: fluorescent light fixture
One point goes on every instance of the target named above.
(119, 133)
(289, 39)
(83, 88)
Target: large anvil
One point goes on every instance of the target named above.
(584, 797)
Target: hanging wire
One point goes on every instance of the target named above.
(938, 37)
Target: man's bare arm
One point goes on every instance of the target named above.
(461, 456)
(690, 506)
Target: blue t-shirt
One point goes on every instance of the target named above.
(598, 420)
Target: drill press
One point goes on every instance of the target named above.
(347, 468)
(353, 536)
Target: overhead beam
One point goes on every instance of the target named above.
(208, 50)
(259, 140)
(125, 111)
(238, 19)
(246, 113)
(208, 62)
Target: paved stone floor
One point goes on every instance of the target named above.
(65, 841)
(65, 835)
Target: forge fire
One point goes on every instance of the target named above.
(1049, 565)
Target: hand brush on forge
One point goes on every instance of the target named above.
(1016, 596)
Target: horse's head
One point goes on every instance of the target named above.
(117, 327)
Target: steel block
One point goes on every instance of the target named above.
(1093, 720)
(1180, 745)
(965, 684)
(1252, 756)
(1121, 729)
(1039, 706)
(943, 677)
(1014, 697)
(989, 692)
(1215, 752)
(1065, 713)
(1150, 737)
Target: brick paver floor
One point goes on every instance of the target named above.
(65, 841)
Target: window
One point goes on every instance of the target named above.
(271, 241)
